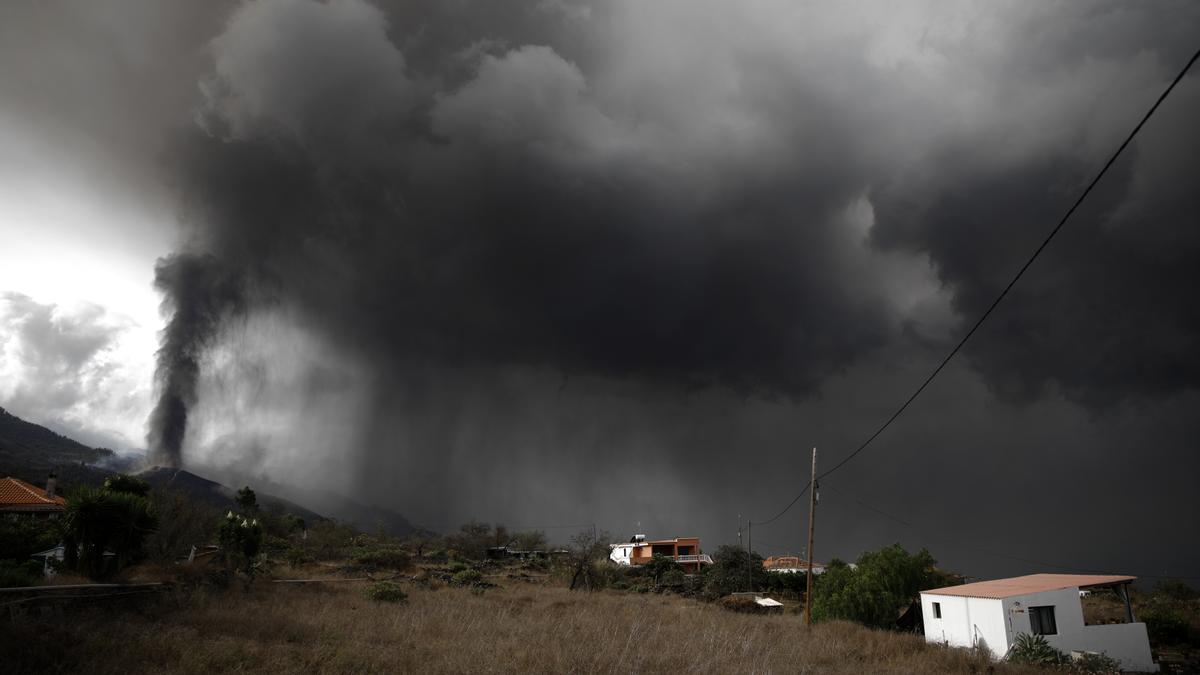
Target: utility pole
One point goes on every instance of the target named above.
(812, 517)
(749, 556)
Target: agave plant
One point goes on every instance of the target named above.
(1034, 649)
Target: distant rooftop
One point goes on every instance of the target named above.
(17, 495)
(1033, 583)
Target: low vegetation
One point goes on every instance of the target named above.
(460, 602)
(334, 628)
(386, 591)
(1036, 651)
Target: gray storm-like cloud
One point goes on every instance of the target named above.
(511, 198)
(479, 208)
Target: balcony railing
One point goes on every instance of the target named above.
(703, 559)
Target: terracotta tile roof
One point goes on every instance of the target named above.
(17, 495)
(1033, 583)
(788, 562)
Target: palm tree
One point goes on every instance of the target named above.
(100, 520)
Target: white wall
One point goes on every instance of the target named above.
(1127, 642)
(994, 624)
(620, 553)
(965, 622)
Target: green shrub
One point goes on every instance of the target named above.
(15, 573)
(467, 577)
(297, 557)
(673, 580)
(1165, 625)
(1034, 650)
(1174, 590)
(386, 591)
(458, 566)
(329, 540)
(659, 566)
(384, 558)
(1100, 664)
(537, 564)
(22, 537)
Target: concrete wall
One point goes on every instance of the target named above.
(994, 624)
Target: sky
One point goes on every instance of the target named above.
(553, 263)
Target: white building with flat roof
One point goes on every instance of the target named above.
(990, 614)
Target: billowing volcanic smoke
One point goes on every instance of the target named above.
(198, 292)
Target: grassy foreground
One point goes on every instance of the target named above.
(333, 628)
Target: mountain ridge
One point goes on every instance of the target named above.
(31, 452)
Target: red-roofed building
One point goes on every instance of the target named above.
(18, 498)
(991, 614)
(683, 550)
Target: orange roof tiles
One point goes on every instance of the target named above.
(17, 495)
(1032, 583)
(788, 562)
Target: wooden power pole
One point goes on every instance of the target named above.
(749, 556)
(812, 517)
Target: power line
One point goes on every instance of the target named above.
(1003, 293)
(1020, 272)
(785, 509)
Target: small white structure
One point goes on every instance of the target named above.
(638, 551)
(622, 554)
(990, 614)
(58, 553)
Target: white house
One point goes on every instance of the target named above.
(990, 614)
(683, 550)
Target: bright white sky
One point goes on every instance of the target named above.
(73, 236)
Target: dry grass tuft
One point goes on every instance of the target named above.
(285, 628)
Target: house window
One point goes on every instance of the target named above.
(937, 610)
(1041, 621)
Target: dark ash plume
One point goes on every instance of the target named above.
(200, 293)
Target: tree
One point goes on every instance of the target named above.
(100, 520)
(246, 500)
(241, 540)
(734, 570)
(472, 540)
(874, 592)
(586, 550)
(182, 523)
(533, 540)
(500, 536)
(122, 482)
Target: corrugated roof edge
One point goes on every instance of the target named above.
(1032, 583)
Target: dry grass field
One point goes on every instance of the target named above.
(333, 628)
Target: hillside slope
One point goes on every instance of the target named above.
(211, 492)
(29, 451)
